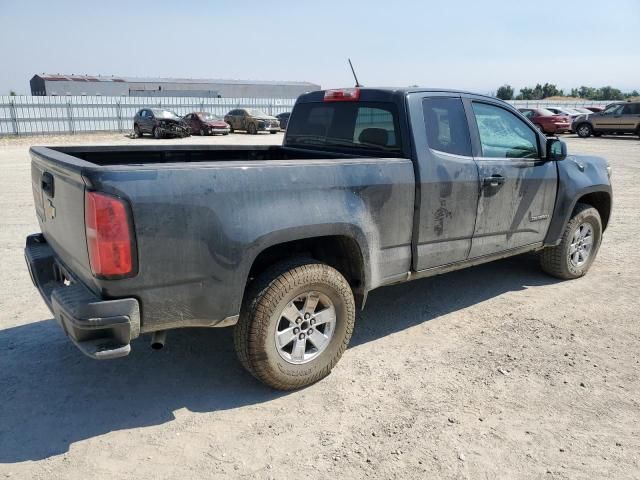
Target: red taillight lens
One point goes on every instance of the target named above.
(109, 238)
(342, 95)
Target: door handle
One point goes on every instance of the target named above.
(493, 181)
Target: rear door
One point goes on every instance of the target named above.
(517, 186)
(630, 117)
(447, 180)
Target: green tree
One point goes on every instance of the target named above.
(609, 93)
(505, 92)
(550, 90)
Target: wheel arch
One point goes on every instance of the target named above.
(341, 248)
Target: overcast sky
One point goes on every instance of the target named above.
(472, 45)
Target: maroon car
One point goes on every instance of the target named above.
(547, 121)
(205, 123)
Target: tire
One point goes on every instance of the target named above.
(584, 130)
(156, 133)
(263, 315)
(202, 132)
(136, 131)
(638, 131)
(231, 128)
(251, 129)
(556, 260)
(597, 134)
(272, 132)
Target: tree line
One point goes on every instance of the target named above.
(539, 92)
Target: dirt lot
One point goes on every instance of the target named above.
(494, 372)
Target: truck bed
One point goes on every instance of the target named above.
(201, 215)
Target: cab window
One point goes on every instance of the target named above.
(503, 134)
(446, 124)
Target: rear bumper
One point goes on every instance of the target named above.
(101, 329)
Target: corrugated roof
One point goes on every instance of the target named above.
(104, 78)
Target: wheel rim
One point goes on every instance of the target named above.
(201, 132)
(583, 131)
(581, 245)
(305, 327)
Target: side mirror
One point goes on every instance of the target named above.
(556, 149)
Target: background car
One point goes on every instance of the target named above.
(547, 121)
(252, 121)
(616, 119)
(205, 123)
(160, 123)
(565, 111)
(283, 118)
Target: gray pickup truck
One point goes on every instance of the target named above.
(371, 187)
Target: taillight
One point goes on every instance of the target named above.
(109, 237)
(342, 95)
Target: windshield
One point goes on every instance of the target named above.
(209, 116)
(358, 126)
(257, 113)
(166, 115)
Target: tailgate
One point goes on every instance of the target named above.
(58, 196)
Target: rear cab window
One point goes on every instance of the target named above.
(356, 127)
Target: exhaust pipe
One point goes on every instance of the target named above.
(158, 339)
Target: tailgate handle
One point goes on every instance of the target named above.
(47, 184)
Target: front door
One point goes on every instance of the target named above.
(517, 187)
(609, 119)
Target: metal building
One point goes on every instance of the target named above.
(58, 84)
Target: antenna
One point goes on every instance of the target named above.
(354, 73)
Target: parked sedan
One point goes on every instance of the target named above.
(283, 118)
(205, 123)
(252, 121)
(159, 123)
(547, 121)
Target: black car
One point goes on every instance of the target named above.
(283, 118)
(159, 123)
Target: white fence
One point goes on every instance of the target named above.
(32, 115)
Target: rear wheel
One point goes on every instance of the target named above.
(295, 323)
(202, 132)
(578, 247)
(156, 133)
(251, 129)
(136, 131)
(584, 130)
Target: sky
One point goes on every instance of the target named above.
(471, 45)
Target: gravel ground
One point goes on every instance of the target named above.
(492, 372)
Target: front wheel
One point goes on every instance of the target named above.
(136, 131)
(273, 132)
(251, 129)
(156, 133)
(584, 130)
(578, 247)
(295, 323)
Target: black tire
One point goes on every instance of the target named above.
(584, 130)
(262, 312)
(202, 132)
(272, 132)
(555, 260)
(597, 134)
(638, 131)
(156, 133)
(136, 131)
(231, 128)
(251, 129)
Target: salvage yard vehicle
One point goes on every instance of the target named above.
(617, 119)
(205, 123)
(252, 121)
(371, 187)
(159, 123)
(547, 121)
